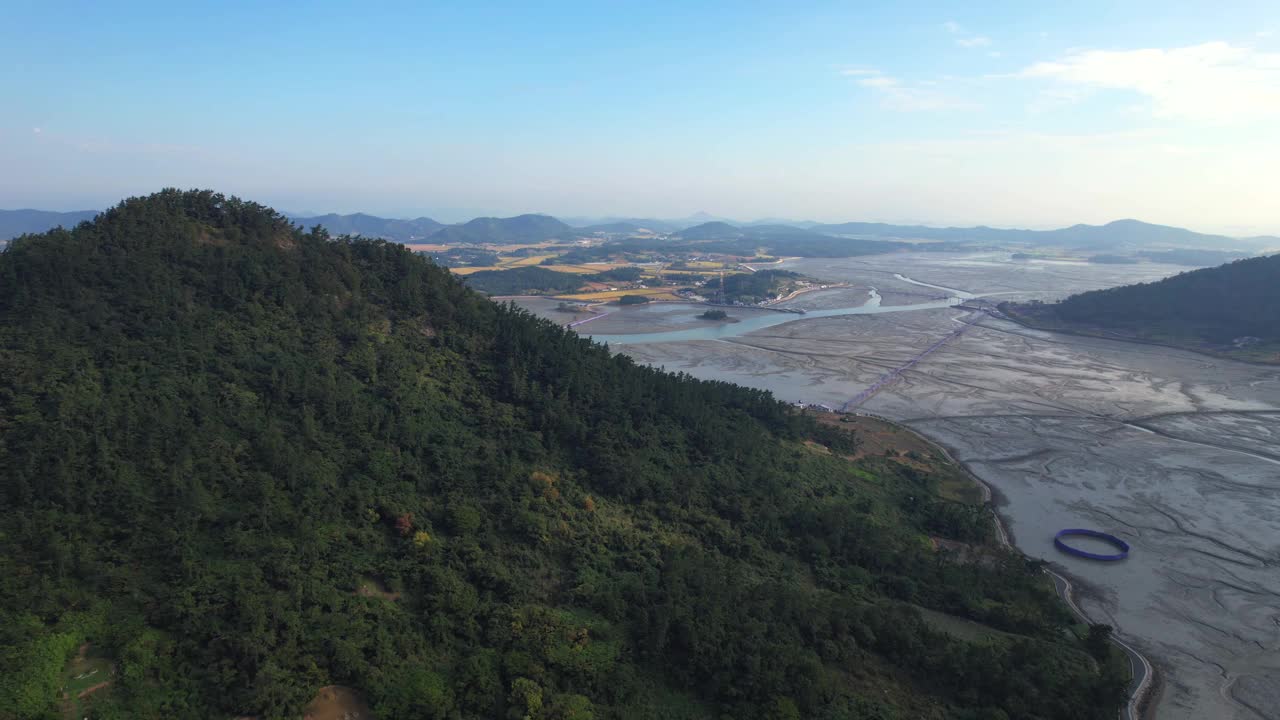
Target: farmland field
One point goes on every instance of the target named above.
(652, 293)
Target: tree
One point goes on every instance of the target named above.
(215, 423)
(1098, 641)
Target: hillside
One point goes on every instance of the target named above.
(524, 281)
(246, 462)
(19, 222)
(518, 229)
(714, 230)
(372, 226)
(722, 237)
(623, 227)
(752, 288)
(1234, 308)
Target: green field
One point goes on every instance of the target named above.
(84, 673)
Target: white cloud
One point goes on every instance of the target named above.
(1056, 97)
(1212, 82)
(964, 38)
(896, 95)
(878, 81)
(36, 131)
(994, 54)
(906, 99)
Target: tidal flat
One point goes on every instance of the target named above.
(1177, 453)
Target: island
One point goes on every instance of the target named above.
(1232, 310)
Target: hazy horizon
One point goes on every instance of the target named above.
(932, 114)
(452, 218)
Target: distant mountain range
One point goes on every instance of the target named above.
(719, 236)
(372, 226)
(674, 224)
(1121, 235)
(18, 222)
(623, 227)
(719, 230)
(507, 231)
(714, 230)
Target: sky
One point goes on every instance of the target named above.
(1026, 114)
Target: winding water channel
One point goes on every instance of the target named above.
(721, 331)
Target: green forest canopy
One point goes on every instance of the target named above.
(1216, 305)
(755, 286)
(217, 427)
(531, 279)
(524, 280)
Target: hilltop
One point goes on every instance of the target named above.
(507, 231)
(755, 287)
(372, 226)
(245, 462)
(1232, 309)
(714, 230)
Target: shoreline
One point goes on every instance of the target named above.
(1141, 701)
(797, 293)
(1022, 321)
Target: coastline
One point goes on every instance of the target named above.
(1142, 698)
(1023, 321)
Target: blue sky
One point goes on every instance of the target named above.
(1010, 113)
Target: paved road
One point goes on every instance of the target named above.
(1140, 667)
(1138, 664)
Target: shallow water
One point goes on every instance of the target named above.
(760, 321)
(1176, 453)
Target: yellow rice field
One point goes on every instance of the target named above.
(469, 270)
(654, 293)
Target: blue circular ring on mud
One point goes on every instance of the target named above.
(1121, 545)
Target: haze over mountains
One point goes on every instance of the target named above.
(530, 228)
(519, 229)
(372, 226)
(18, 222)
(1130, 233)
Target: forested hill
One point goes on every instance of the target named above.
(518, 229)
(242, 463)
(372, 226)
(1215, 307)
